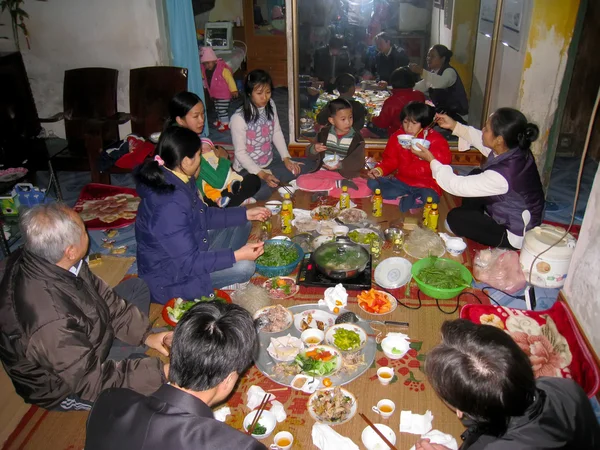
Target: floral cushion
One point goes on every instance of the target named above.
(550, 338)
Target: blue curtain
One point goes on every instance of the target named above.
(184, 46)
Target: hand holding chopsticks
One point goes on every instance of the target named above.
(259, 412)
(379, 433)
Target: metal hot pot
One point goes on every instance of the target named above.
(341, 259)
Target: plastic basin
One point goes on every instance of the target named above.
(439, 293)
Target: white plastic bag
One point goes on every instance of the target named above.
(500, 269)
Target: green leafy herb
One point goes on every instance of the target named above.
(442, 277)
(314, 367)
(277, 255)
(179, 308)
(213, 299)
(258, 429)
(395, 351)
(346, 339)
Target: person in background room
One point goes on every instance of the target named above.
(331, 61)
(65, 335)
(412, 182)
(220, 85)
(212, 346)
(255, 130)
(443, 84)
(184, 247)
(481, 373)
(346, 86)
(403, 82)
(389, 58)
(341, 142)
(497, 196)
(187, 110)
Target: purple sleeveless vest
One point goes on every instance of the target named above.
(451, 99)
(524, 190)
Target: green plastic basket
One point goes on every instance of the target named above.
(280, 271)
(440, 294)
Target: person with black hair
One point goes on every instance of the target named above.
(443, 83)
(212, 346)
(403, 82)
(480, 372)
(346, 86)
(331, 61)
(503, 199)
(389, 58)
(187, 110)
(412, 182)
(255, 130)
(340, 151)
(185, 248)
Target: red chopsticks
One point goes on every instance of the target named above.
(261, 408)
(379, 433)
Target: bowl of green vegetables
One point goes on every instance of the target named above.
(279, 259)
(441, 278)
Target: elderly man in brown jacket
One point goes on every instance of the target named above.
(60, 325)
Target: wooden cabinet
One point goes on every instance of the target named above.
(267, 46)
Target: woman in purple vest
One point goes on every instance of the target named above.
(442, 83)
(255, 130)
(504, 198)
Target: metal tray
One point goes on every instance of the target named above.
(266, 363)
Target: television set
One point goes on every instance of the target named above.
(219, 35)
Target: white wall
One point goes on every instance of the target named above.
(440, 34)
(67, 34)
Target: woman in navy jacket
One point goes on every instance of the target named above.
(185, 248)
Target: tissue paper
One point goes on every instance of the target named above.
(437, 437)
(222, 413)
(325, 438)
(335, 297)
(278, 411)
(415, 423)
(255, 397)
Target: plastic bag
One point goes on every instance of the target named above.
(500, 269)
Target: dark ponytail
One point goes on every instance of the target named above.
(512, 125)
(174, 145)
(256, 78)
(443, 52)
(180, 105)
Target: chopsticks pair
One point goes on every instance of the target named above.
(261, 408)
(379, 433)
(429, 127)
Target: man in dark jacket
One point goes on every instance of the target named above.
(346, 86)
(212, 345)
(331, 61)
(59, 323)
(389, 57)
(479, 371)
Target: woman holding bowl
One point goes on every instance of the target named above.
(504, 198)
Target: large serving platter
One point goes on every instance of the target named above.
(266, 363)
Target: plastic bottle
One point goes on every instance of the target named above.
(286, 219)
(433, 218)
(288, 201)
(426, 210)
(344, 198)
(377, 204)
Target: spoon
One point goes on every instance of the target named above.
(350, 317)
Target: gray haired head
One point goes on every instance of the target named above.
(49, 229)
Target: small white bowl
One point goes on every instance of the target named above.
(424, 142)
(405, 140)
(455, 246)
(274, 206)
(312, 334)
(267, 420)
(331, 160)
(340, 230)
(372, 441)
(390, 343)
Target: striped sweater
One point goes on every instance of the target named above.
(350, 148)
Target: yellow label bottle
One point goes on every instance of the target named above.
(286, 219)
(426, 210)
(433, 218)
(287, 201)
(377, 204)
(344, 198)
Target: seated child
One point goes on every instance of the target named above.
(346, 86)
(219, 82)
(413, 182)
(219, 184)
(403, 82)
(341, 153)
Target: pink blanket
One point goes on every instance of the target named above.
(326, 180)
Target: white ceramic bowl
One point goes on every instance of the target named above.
(331, 160)
(267, 420)
(312, 334)
(455, 246)
(424, 142)
(373, 442)
(340, 230)
(393, 272)
(405, 140)
(394, 348)
(274, 206)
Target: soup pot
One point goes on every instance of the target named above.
(341, 259)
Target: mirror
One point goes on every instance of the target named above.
(335, 37)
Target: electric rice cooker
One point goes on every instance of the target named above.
(550, 269)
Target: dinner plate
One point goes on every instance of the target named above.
(171, 320)
(318, 241)
(305, 224)
(352, 216)
(277, 293)
(363, 231)
(330, 336)
(317, 418)
(393, 273)
(260, 312)
(390, 297)
(324, 212)
(316, 315)
(326, 227)
(332, 350)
